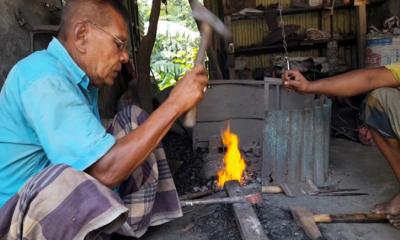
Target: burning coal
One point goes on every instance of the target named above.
(234, 165)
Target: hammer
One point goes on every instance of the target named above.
(208, 22)
(308, 221)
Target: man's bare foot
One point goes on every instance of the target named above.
(391, 209)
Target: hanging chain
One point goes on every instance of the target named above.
(284, 38)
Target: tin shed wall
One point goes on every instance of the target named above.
(250, 32)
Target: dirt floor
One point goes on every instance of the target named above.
(352, 165)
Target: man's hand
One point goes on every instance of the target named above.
(294, 80)
(190, 89)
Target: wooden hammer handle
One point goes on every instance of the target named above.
(190, 117)
(350, 218)
(271, 189)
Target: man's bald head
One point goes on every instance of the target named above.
(93, 10)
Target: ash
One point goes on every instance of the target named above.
(185, 163)
(278, 223)
(218, 223)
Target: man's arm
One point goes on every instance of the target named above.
(130, 151)
(347, 84)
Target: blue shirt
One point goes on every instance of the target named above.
(48, 115)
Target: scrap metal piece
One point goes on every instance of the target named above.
(253, 198)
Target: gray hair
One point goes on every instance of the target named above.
(94, 10)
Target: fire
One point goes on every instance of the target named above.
(233, 165)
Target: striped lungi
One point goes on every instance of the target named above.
(62, 203)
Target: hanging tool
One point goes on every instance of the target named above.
(308, 221)
(209, 22)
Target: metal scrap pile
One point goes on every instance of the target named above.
(391, 25)
(308, 64)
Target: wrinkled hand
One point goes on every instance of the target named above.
(190, 89)
(294, 80)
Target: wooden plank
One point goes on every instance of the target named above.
(249, 226)
(361, 33)
(230, 50)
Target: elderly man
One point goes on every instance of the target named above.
(62, 175)
(381, 113)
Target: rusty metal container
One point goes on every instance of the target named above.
(296, 136)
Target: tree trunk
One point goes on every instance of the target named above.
(146, 47)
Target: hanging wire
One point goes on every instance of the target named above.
(284, 43)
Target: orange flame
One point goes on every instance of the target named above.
(234, 165)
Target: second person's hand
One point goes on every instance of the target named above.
(294, 80)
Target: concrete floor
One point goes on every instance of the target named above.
(352, 165)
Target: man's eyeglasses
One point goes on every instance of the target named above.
(121, 45)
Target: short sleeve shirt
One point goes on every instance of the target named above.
(48, 115)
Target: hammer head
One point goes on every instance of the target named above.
(305, 220)
(203, 15)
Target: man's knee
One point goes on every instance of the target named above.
(126, 120)
(64, 185)
(132, 113)
(58, 175)
(381, 111)
(382, 95)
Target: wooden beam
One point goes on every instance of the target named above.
(361, 33)
(249, 226)
(230, 50)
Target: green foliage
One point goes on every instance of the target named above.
(175, 11)
(172, 58)
(178, 11)
(144, 10)
(172, 55)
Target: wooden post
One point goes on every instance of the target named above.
(361, 32)
(230, 49)
(249, 226)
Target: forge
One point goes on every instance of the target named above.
(291, 129)
(284, 138)
(353, 164)
(283, 135)
(230, 177)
